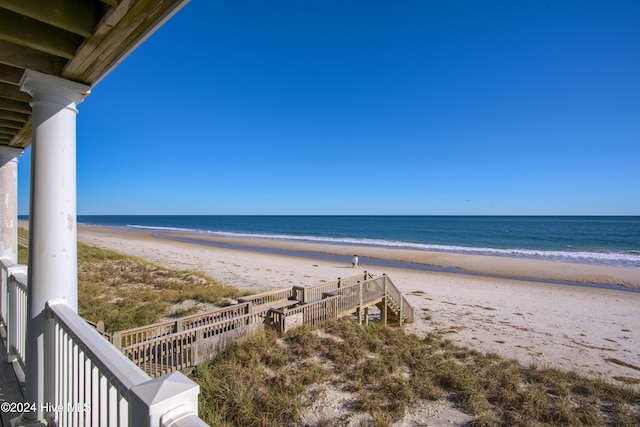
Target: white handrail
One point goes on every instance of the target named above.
(105, 388)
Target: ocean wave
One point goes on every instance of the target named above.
(626, 259)
(167, 229)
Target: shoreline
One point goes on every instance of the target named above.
(327, 252)
(486, 265)
(576, 328)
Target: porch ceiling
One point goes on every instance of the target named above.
(79, 40)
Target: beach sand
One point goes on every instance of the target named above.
(573, 327)
(590, 330)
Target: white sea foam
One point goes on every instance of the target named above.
(167, 229)
(628, 259)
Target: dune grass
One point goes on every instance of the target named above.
(125, 292)
(267, 381)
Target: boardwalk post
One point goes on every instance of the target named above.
(360, 305)
(400, 314)
(385, 301)
(116, 340)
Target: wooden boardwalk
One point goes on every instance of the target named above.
(165, 347)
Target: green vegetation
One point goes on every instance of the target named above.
(126, 292)
(23, 252)
(267, 381)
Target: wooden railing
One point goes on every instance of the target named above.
(164, 354)
(99, 327)
(266, 298)
(313, 314)
(165, 347)
(314, 293)
(404, 309)
(23, 241)
(134, 336)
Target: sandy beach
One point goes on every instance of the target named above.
(591, 330)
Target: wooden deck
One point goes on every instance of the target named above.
(165, 347)
(10, 388)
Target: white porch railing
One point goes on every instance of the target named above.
(89, 382)
(13, 306)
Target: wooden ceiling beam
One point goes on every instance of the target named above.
(23, 31)
(24, 57)
(15, 106)
(23, 137)
(11, 75)
(13, 92)
(77, 16)
(15, 117)
(114, 37)
(10, 124)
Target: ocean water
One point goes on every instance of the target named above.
(613, 240)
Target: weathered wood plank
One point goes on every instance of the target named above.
(8, 131)
(79, 17)
(10, 124)
(13, 116)
(13, 92)
(110, 2)
(24, 57)
(98, 54)
(11, 75)
(16, 106)
(23, 137)
(28, 32)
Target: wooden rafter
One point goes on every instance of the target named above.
(27, 58)
(24, 31)
(78, 40)
(11, 124)
(13, 116)
(13, 92)
(11, 75)
(76, 16)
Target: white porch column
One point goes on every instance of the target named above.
(52, 224)
(9, 202)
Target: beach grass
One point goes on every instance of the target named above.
(267, 380)
(23, 252)
(126, 292)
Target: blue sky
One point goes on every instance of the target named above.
(369, 107)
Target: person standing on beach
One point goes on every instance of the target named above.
(354, 261)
